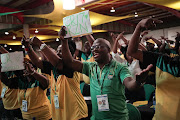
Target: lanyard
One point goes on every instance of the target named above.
(101, 85)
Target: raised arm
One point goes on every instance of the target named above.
(74, 64)
(133, 84)
(31, 53)
(142, 47)
(135, 40)
(123, 38)
(115, 46)
(3, 50)
(32, 72)
(90, 38)
(53, 58)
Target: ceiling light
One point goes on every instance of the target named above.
(57, 39)
(40, 58)
(36, 31)
(82, 8)
(10, 49)
(135, 14)
(68, 4)
(112, 9)
(23, 46)
(14, 37)
(5, 45)
(7, 33)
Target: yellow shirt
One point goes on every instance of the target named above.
(10, 100)
(72, 105)
(168, 96)
(38, 105)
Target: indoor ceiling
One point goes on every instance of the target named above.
(46, 16)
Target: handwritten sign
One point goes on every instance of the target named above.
(12, 61)
(77, 24)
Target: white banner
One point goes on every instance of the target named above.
(77, 24)
(12, 61)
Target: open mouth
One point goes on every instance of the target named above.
(95, 55)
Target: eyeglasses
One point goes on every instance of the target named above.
(96, 47)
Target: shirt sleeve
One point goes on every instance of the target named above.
(86, 68)
(124, 73)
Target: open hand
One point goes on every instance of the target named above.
(140, 77)
(148, 23)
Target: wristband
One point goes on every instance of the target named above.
(42, 46)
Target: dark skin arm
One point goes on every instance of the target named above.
(131, 84)
(74, 64)
(32, 72)
(3, 50)
(90, 38)
(33, 56)
(134, 43)
(53, 58)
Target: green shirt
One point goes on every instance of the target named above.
(112, 76)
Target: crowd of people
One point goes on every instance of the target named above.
(109, 74)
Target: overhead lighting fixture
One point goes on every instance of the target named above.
(5, 45)
(7, 33)
(135, 14)
(23, 46)
(68, 4)
(14, 37)
(82, 8)
(57, 39)
(112, 9)
(36, 31)
(10, 49)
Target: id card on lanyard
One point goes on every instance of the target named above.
(102, 100)
(56, 101)
(103, 104)
(24, 105)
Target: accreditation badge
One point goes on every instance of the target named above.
(102, 101)
(56, 101)
(3, 92)
(24, 105)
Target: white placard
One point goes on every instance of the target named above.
(77, 24)
(12, 61)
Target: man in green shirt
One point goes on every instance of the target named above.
(108, 80)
